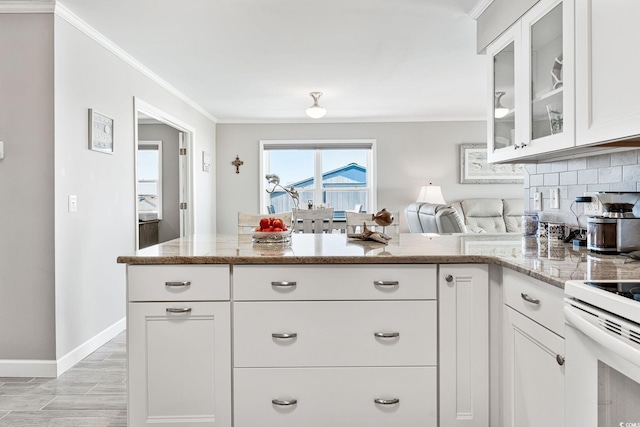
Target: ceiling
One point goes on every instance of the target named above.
(251, 61)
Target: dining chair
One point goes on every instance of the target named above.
(271, 209)
(313, 220)
(247, 222)
(356, 220)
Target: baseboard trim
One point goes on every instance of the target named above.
(67, 361)
(50, 368)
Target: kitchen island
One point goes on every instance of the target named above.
(326, 330)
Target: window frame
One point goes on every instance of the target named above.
(157, 144)
(317, 146)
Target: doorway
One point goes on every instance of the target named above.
(163, 171)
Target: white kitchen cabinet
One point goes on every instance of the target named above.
(533, 354)
(335, 345)
(179, 346)
(464, 345)
(607, 63)
(531, 75)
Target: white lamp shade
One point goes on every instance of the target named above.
(431, 194)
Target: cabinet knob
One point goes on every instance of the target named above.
(527, 298)
(386, 283)
(287, 336)
(386, 334)
(448, 278)
(393, 401)
(560, 359)
(284, 284)
(177, 284)
(179, 310)
(284, 402)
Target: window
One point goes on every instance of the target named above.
(150, 178)
(337, 173)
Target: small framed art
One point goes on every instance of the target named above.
(100, 132)
(474, 168)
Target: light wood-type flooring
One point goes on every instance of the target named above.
(91, 394)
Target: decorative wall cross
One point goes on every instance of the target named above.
(237, 163)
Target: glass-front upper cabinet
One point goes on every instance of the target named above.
(536, 86)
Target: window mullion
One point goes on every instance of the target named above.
(317, 174)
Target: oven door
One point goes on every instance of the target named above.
(602, 371)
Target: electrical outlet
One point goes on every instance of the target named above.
(537, 201)
(554, 198)
(73, 203)
(594, 208)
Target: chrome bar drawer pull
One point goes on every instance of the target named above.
(179, 310)
(284, 284)
(284, 402)
(177, 284)
(387, 401)
(527, 298)
(386, 283)
(386, 334)
(285, 336)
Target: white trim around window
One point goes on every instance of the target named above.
(334, 144)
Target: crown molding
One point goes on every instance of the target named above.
(51, 6)
(479, 7)
(347, 120)
(91, 32)
(24, 6)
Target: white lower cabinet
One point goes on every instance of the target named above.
(533, 359)
(463, 324)
(179, 352)
(335, 346)
(336, 397)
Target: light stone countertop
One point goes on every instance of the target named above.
(557, 265)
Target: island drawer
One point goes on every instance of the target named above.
(340, 333)
(320, 397)
(537, 300)
(178, 283)
(335, 282)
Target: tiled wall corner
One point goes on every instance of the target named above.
(605, 172)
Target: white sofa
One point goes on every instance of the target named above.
(491, 215)
(467, 216)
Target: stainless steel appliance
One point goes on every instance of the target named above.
(617, 229)
(602, 351)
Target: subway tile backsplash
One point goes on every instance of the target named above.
(618, 171)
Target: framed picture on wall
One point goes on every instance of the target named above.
(100, 132)
(474, 168)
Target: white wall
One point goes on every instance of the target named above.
(89, 285)
(409, 155)
(169, 226)
(27, 320)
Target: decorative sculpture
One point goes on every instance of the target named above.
(370, 235)
(382, 218)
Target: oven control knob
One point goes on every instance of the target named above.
(560, 359)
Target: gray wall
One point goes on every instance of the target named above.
(90, 286)
(27, 322)
(607, 172)
(409, 155)
(499, 16)
(169, 227)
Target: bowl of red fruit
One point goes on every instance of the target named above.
(271, 230)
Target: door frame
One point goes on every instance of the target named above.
(186, 169)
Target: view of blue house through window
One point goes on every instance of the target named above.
(323, 172)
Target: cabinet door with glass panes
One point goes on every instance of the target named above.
(543, 102)
(503, 114)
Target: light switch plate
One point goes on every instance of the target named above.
(537, 201)
(73, 203)
(1, 150)
(555, 198)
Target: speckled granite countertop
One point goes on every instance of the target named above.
(553, 265)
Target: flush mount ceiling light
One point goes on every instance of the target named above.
(500, 111)
(316, 111)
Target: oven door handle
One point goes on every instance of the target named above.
(602, 338)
